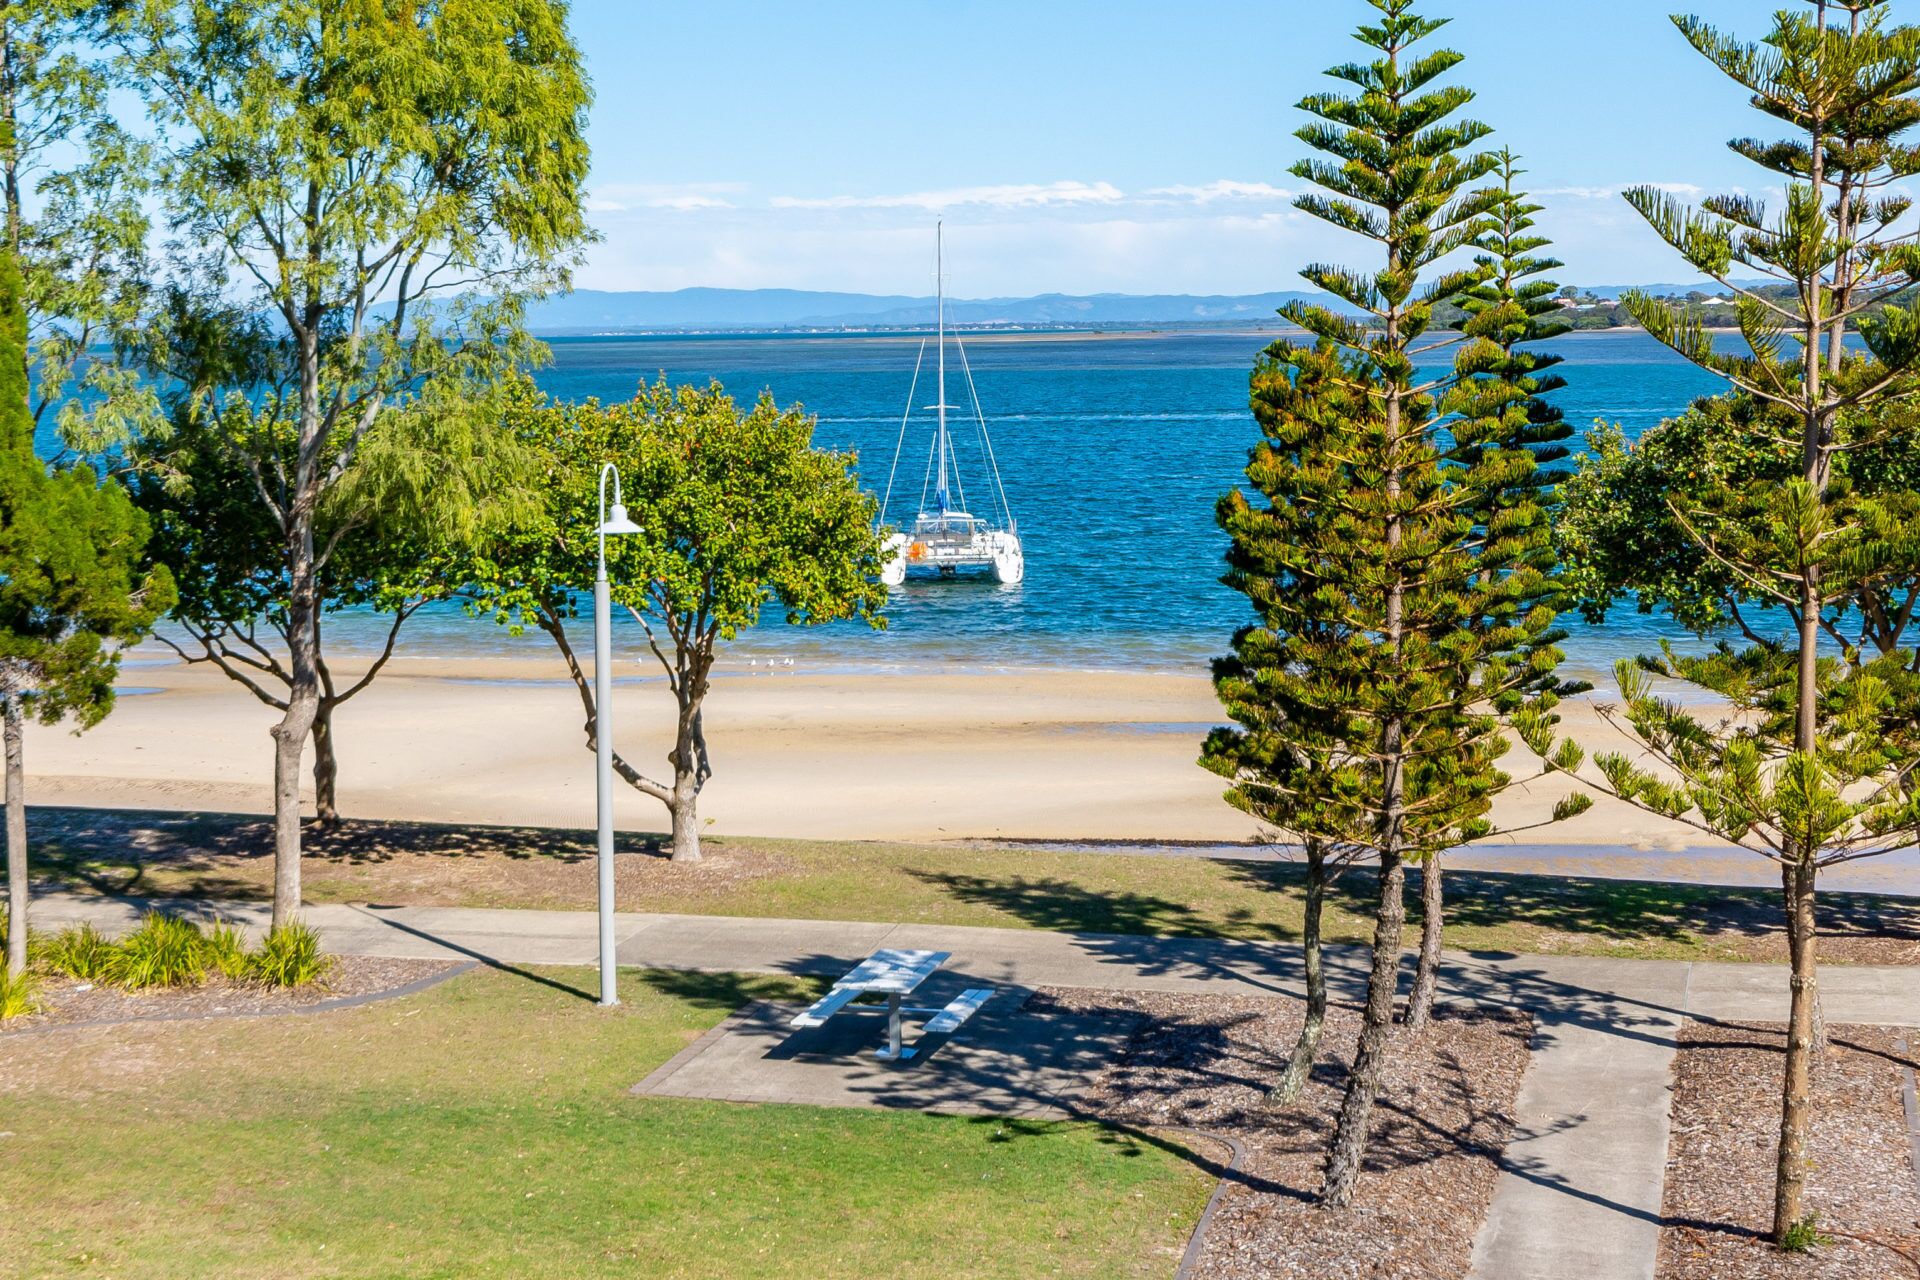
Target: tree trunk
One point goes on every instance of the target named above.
(1349, 1147)
(1796, 1111)
(326, 767)
(296, 726)
(1307, 1047)
(16, 838)
(686, 826)
(1432, 921)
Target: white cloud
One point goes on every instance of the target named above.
(688, 203)
(1006, 196)
(1222, 189)
(1686, 189)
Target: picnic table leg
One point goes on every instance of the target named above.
(893, 1027)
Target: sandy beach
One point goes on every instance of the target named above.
(1036, 754)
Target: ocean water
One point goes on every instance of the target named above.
(1112, 448)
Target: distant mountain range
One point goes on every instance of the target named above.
(587, 311)
(597, 311)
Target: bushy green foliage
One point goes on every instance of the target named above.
(163, 951)
(290, 956)
(79, 951)
(740, 513)
(224, 949)
(19, 994)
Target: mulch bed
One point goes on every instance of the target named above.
(1720, 1158)
(68, 1001)
(1439, 1129)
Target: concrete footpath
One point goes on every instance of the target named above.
(1580, 1196)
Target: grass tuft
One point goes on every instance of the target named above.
(165, 951)
(223, 948)
(19, 994)
(1804, 1236)
(291, 957)
(79, 951)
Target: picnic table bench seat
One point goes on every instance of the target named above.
(958, 1010)
(816, 1014)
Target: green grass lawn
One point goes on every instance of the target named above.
(220, 855)
(483, 1129)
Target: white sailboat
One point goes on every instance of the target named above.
(945, 539)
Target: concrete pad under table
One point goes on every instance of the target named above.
(1005, 1061)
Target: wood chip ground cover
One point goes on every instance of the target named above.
(1718, 1203)
(1443, 1120)
(67, 1001)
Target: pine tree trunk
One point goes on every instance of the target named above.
(1349, 1146)
(16, 838)
(1796, 1111)
(1313, 970)
(1432, 921)
(326, 768)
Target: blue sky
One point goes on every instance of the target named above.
(1127, 145)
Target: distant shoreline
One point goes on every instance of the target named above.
(995, 333)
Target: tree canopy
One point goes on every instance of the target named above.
(740, 513)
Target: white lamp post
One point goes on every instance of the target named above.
(614, 523)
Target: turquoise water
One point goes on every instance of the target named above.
(1113, 450)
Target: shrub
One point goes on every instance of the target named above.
(19, 996)
(224, 948)
(290, 956)
(79, 951)
(165, 951)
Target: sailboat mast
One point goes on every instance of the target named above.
(940, 329)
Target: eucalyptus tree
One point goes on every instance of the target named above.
(1395, 626)
(739, 512)
(73, 182)
(432, 476)
(72, 592)
(338, 169)
(1817, 766)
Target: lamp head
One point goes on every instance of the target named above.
(618, 523)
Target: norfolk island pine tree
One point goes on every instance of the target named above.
(1819, 768)
(1368, 689)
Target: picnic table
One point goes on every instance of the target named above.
(896, 973)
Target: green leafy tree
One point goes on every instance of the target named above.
(337, 167)
(1817, 766)
(73, 182)
(71, 592)
(1394, 625)
(432, 477)
(739, 512)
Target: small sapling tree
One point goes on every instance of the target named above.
(739, 513)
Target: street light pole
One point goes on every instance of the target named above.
(603, 724)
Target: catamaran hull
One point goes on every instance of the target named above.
(996, 553)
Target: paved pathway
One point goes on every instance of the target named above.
(1581, 1194)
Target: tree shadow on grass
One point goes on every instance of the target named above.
(728, 992)
(223, 855)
